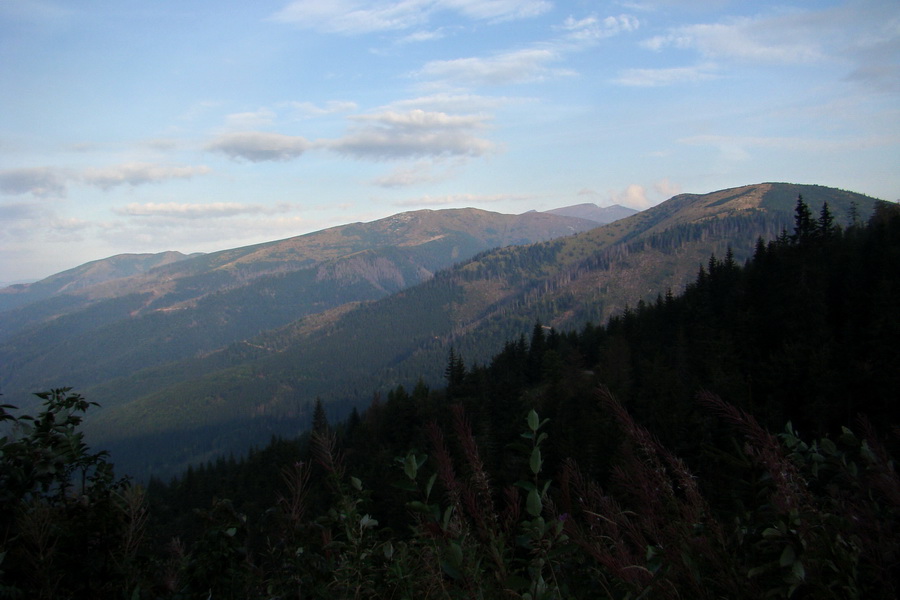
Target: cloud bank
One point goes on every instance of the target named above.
(413, 134)
(259, 146)
(45, 182)
(197, 210)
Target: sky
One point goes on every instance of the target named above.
(133, 127)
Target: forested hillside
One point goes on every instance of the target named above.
(636, 458)
(206, 406)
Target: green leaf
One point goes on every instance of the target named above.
(411, 466)
(533, 420)
(418, 506)
(788, 556)
(828, 446)
(356, 483)
(757, 571)
(533, 504)
(536, 461)
(798, 571)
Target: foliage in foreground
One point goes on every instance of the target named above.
(803, 519)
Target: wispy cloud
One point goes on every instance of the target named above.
(458, 200)
(244, 121)
(530, 64)
(668, 76)
(259, 146)
(45, 182)
(420, 172)
(352, 17)
(455, 103)
(517, 66)
(197, 210)
(744, 39)
(422, 36)
(737, 147)
(309, 109)
(595, 28)
(139, 173)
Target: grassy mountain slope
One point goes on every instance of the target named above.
(85, 276)
(95, 329)
(475, 307)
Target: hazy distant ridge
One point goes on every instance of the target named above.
(592, 212)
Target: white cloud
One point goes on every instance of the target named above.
(38, 181)
(309, 109)
(458, 200)
(351, 17)
(595, 28)
(138, 173)
(422, 36)
(666, 188)
(669, 76)
(258, 146)
(633, 196)
(511, 67)
(51, 181)
(497, 9)
(422, 120)
(745, 39)
(416, 133)
(419, 173)
(250, 120)
(736, 147)
(196, 211)
(454, 103)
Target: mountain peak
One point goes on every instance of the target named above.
(592, 212)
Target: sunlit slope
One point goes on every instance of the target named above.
(98, 332)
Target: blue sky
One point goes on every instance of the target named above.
(196, 126)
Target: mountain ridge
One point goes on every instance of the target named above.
(601, 214)
(176, 310)
(264, 379)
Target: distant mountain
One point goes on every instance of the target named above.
(113, 317)
(85, 276)
(592, 212)
(184, 373)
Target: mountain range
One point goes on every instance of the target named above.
(191, 356)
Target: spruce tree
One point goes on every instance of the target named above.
(803, 223)
(320, 419)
